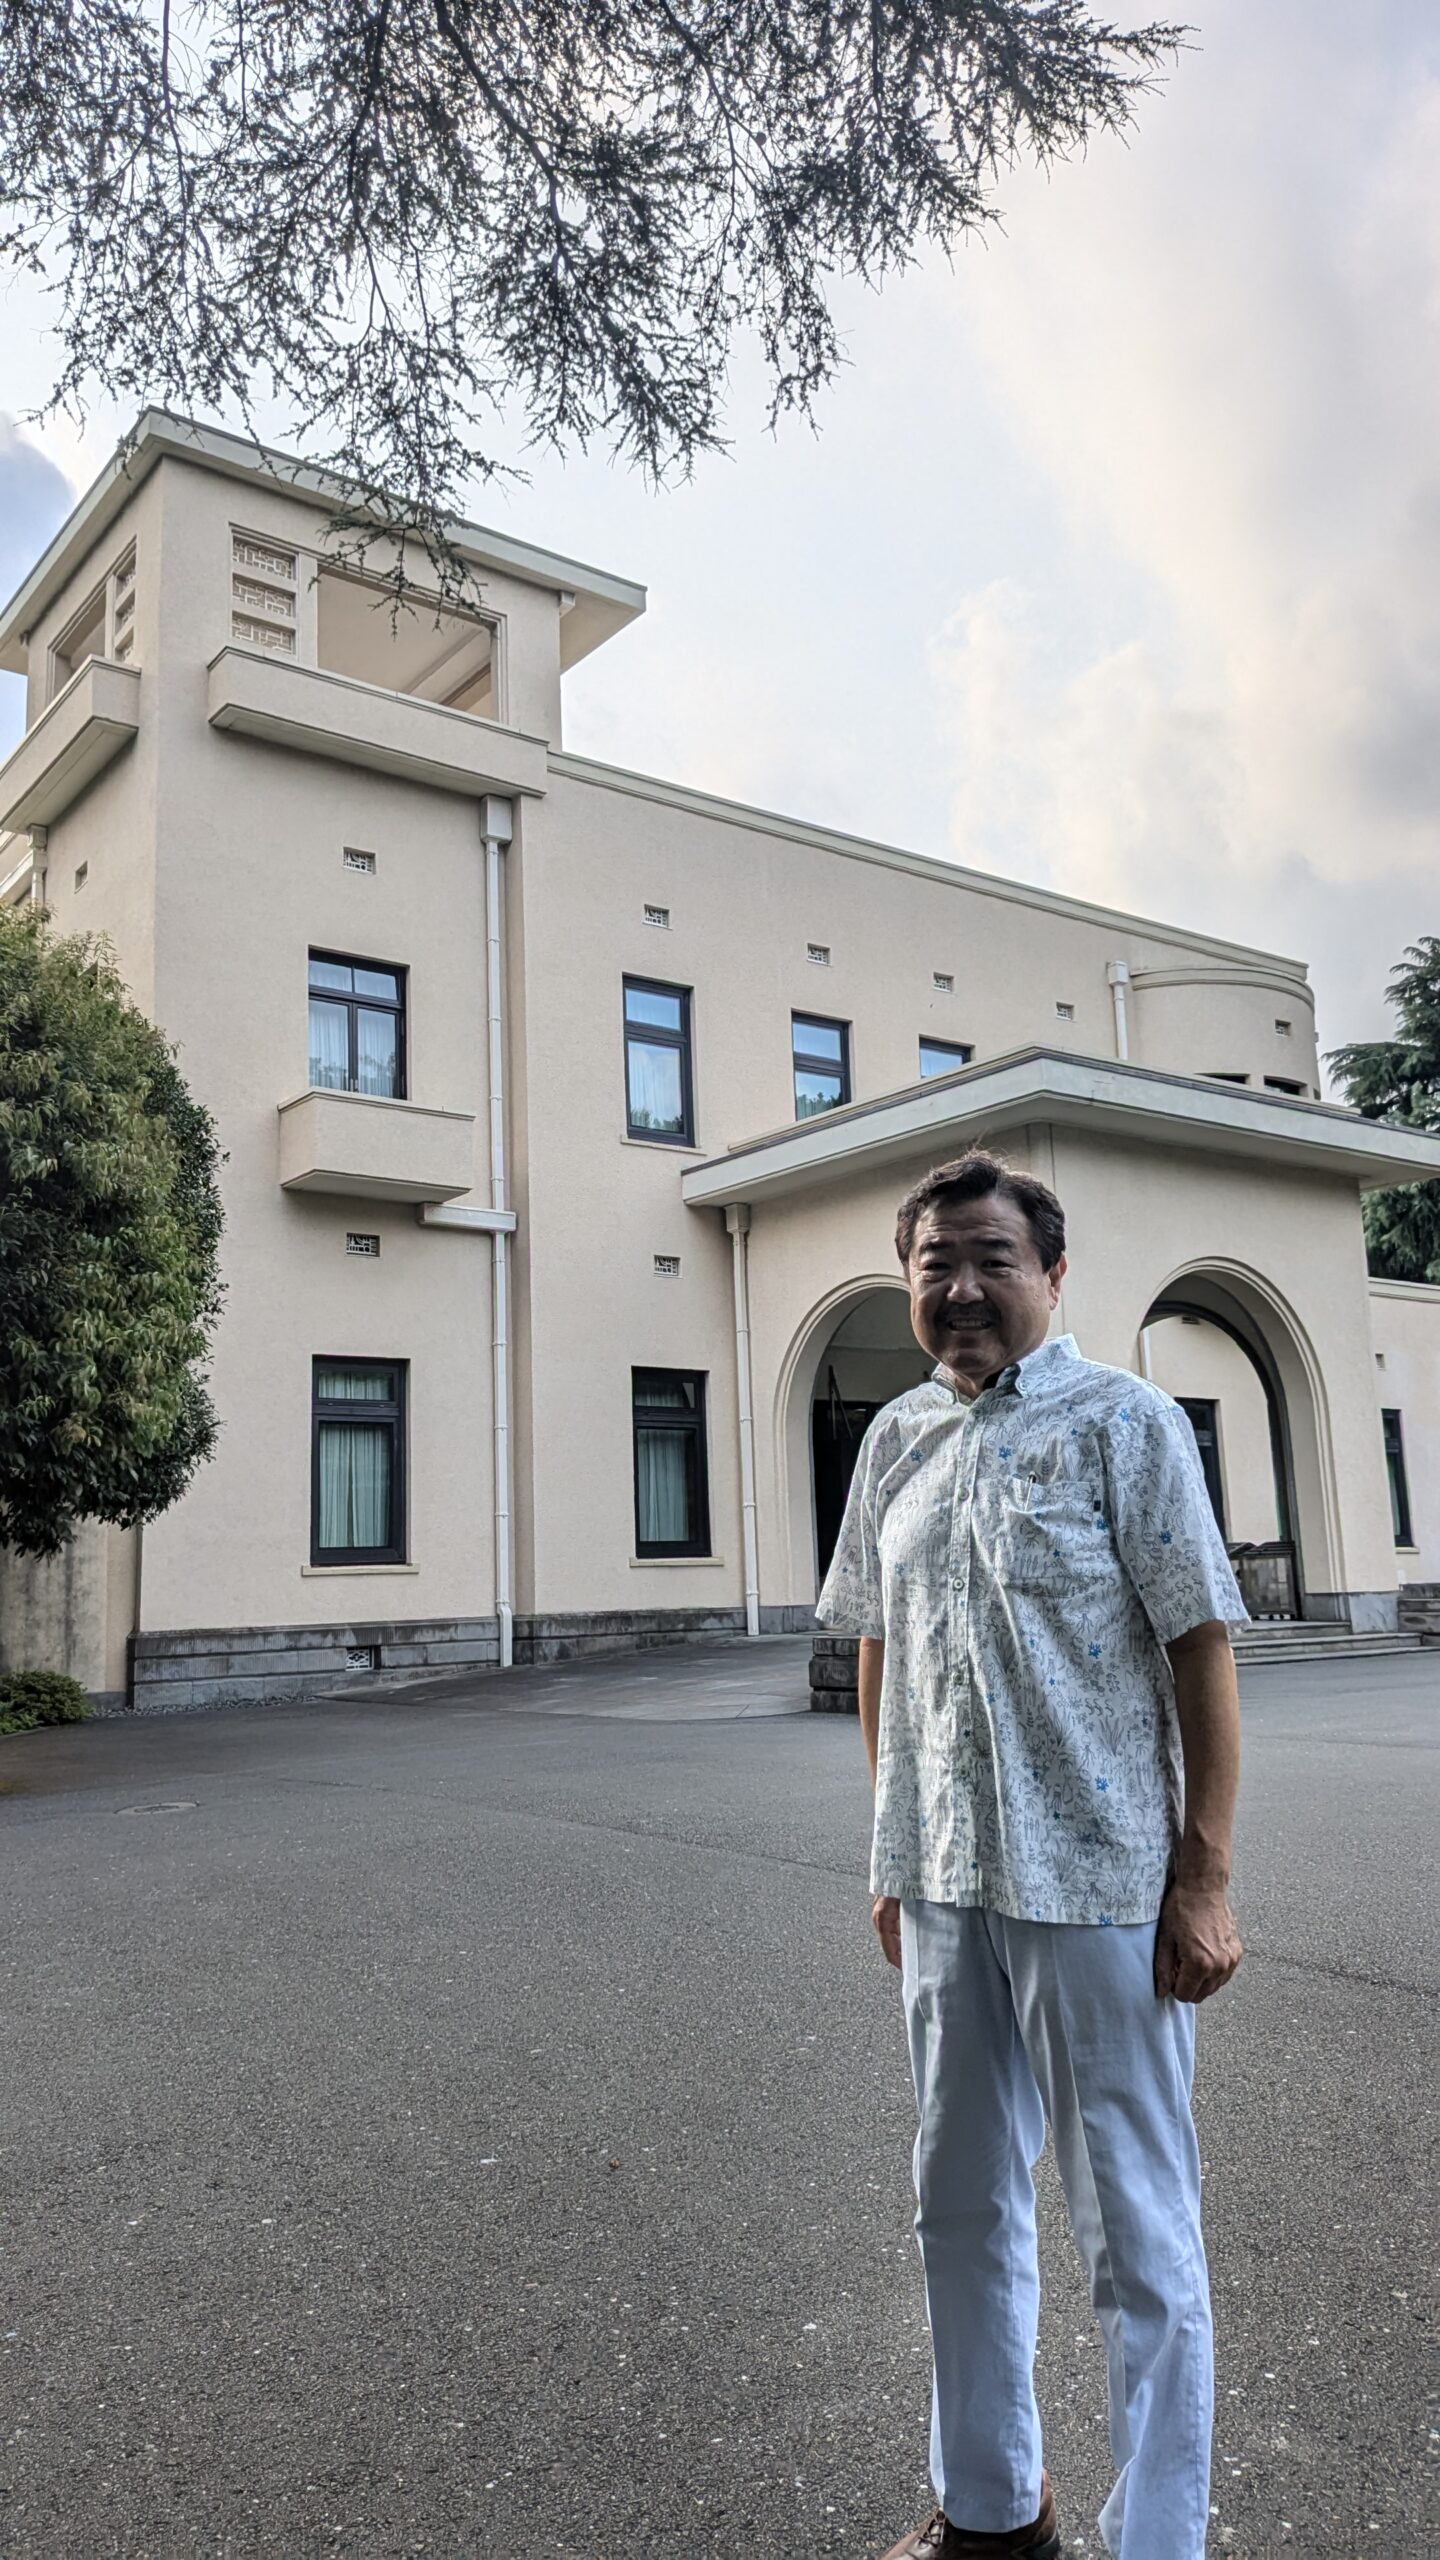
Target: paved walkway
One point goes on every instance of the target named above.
(668, 1684)
(473, 2123)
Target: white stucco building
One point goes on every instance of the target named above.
(566, 1111)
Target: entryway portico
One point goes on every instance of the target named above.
(1185, 1198)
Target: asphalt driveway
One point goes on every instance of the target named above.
(473, 2121)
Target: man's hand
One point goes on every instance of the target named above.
(1197, 1945)
(885, 1916)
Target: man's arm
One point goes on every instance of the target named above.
(884, 1910)
(872, 1672)
(1197, 1945)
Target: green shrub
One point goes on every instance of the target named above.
(109, 1244)
(31, 1698)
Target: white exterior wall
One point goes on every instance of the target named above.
(215, 863)
(1138, 1222)
(250, 877)
(111, 829)
(747, 895)
(1219, 1018)
(1406, 1328)
(745, 898)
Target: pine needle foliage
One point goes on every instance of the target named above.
(1399, 1080)
(29, 1699)
(403, 216)
(109, 1240)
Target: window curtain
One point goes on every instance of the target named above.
(376, 1045)
(663, 1486)
(329, 1046)
(356, 1386)
(354, 1485)
(656, 1094)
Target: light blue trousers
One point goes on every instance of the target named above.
(1012, 2022)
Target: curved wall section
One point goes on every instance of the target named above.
(1214, 1019)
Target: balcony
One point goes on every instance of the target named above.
(369, 1148)
(323, 713)
(75, 737)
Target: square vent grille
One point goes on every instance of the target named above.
(943, 981)
(818, 953)
(368, 1247)
(667, 1266)
(355, 860)
(658, 915)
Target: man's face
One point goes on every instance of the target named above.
(980, 1295)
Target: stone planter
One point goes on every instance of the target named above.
(835, 1675)
(1418, 1613)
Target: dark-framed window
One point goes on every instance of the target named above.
(672, 1495)
(357, 1025)
(1395, 1470)
(1203, 1415)
(820, 1049)
(357, 1462)
(939, 1057)
(659, 1082)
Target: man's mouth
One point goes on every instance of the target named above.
(977, 1321)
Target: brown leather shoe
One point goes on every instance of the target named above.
(942, 2540)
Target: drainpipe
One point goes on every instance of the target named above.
(1118, 974)
(737, 1220)
(497, 826)
(1145, 1369)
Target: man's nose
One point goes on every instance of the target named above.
(964, 1289)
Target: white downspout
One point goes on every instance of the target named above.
(497, 824)
(1118, 974)
(737, 1219)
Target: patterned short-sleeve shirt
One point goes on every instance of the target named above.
(1026, 1558)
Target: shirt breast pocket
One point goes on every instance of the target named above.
(1050, 1536)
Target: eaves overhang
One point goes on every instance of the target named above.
(1043, 1086)
(596, 603)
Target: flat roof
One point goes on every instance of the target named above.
(1052, 1086)
(603, 604)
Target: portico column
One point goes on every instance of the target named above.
(737, 1220)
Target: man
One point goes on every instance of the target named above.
(1031, 1563)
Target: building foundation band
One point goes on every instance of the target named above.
(565, 1111)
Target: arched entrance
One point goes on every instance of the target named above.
(1223, 1344)
(855, 1353)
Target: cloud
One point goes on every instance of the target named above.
(1115, 563)
(35, 499)
(1221, 350)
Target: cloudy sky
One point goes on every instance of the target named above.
(1114, 562)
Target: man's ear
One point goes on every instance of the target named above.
(1054, 1277)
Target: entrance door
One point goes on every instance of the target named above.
(1202, 1414)
(838, 1425)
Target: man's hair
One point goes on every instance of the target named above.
(974, 1176)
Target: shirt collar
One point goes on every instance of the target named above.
(1022, 1376)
